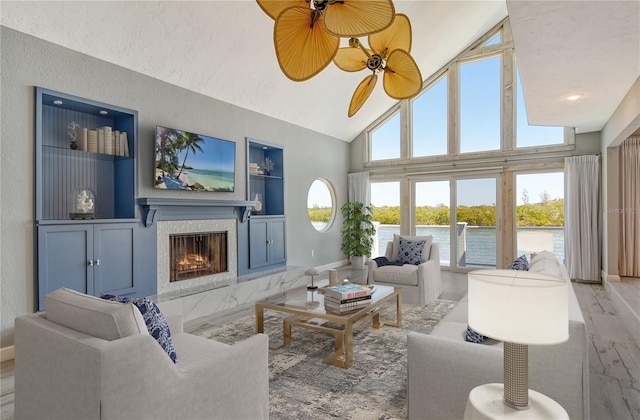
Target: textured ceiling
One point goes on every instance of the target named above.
(567, 47)
(224, 49)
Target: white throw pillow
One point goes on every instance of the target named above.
(426, 250)
(93, 316)
(547, 263)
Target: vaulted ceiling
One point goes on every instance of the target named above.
(224, 49)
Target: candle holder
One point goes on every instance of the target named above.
(311, 272)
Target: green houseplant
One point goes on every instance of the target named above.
(358, 232)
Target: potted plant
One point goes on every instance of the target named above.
(358, 232)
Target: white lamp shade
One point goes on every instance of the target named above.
(532, 241)
(519, 307)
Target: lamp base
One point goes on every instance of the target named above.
(486, 402)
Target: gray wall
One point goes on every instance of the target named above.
(27, 62)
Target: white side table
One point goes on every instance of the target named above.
(485, 403)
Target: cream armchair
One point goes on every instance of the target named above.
(420, 284)
(120, 372)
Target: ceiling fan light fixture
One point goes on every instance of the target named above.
(402, 78)
(354, 18)
(303, 47)
(362, 93)
(397, 36)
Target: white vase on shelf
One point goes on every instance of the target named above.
(258, 207)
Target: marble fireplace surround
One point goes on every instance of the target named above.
(199, 302)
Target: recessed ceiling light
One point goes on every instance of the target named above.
(57, 102)
(103, 112)
(575, 96)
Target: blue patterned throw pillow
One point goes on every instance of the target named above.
(474, 337)
(153, 318)
(410, 251)
(520, 263)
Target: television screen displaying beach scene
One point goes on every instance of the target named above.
(189, 161)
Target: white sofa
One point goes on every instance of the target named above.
(107, 366)
(443, 368)
(420, 284)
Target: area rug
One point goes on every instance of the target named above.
(301, 386)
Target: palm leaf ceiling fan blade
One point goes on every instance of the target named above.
(351, 59)
(274, 7)
(303, 47)
(397, 36)
(362, 93)
(354, 18)
(402, 78)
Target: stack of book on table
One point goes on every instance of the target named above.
(346, 298)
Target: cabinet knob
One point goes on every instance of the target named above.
(90, 262)
(98, 261)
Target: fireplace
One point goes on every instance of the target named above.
(197, 254)
(205, 255)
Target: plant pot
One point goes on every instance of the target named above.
(357, 262)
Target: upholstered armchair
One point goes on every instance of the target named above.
(419, 280)
(87, 358)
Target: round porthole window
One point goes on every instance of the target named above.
(321, 204)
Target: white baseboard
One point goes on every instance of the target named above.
(7, 353)
(333, 265)
(613, 278)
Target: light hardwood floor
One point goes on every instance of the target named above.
(614, 357)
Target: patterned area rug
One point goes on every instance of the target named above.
(302, 387)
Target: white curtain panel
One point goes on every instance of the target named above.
(629, 246)
(582, 217)
(359, 189)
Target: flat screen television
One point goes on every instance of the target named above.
(194, 162)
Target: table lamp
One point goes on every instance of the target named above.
(520, 308)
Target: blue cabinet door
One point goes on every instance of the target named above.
(113, 246)
(258, 242)
(267, 241)
(65, 258)
(92, 259)
(277, 241)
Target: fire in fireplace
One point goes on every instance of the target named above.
(197, 254)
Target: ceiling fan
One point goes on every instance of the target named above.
(307, 34)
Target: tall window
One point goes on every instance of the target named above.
(385, 140)
(532, 135)
(540, 213)
(480, 99)
(430, 121)
(476, 216)
(433, 214)
(385, 199)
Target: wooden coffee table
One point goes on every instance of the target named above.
(307, 310)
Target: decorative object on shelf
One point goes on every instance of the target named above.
(307, 38)
(71, 130)
(518, 308)
(268, 165)
(311, 271)
(257, 209)
(83, 204)
(358, 233)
